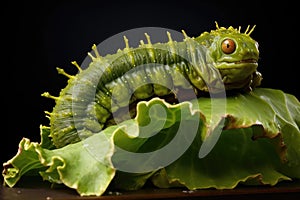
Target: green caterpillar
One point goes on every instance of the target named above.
(116, 81)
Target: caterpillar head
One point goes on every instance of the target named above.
(234, 53)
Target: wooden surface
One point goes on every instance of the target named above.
(33, 189)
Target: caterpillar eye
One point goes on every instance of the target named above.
(228, 46)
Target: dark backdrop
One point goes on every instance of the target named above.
(39, 36)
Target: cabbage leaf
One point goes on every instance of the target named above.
(254, 139)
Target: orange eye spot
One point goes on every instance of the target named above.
(228, 46)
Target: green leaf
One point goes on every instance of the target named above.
(250, 138)
(77, 166)
(25, 161)
(235, 158)
(260, 142)
(84, 166)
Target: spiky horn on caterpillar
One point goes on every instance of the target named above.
(113, 82)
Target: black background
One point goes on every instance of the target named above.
(40, 36)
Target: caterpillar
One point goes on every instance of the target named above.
(117, 81)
